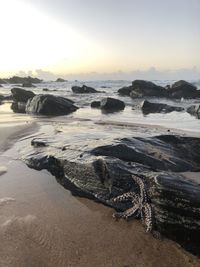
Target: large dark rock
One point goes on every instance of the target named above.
(83, 90)
(111, 104)
(142, 88)
(104, 172)
(125, 91)
(194, 110)
(50, 105)
(21, 95)
(149, 107)
(183, 89)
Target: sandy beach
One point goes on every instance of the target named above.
(42, 224)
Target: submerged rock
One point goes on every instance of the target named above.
(112, 104)
(183, 89)
(105, 172)
(83, 90)
(149, 107)
(50, 105)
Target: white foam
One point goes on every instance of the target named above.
(3, 170)
(6, 200)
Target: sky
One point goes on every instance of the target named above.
(100, 38)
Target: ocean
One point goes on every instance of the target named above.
(131, 114)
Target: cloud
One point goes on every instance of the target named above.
(149, 74)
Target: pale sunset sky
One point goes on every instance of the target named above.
(69, 37)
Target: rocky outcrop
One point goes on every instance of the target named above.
(183, 89)
(194, 110)
(149, 107)
(83, 90)
(96, 104)
(21, 80)
(111, 104)
(125, 91)
(142, 88)
(20, 98)
(50, 105)
(105, 172)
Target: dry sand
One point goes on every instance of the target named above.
(41, 224)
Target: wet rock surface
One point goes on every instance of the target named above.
(149, 107)
(102, 172)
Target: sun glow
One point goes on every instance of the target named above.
(32, 40)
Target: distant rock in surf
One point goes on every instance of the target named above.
(96, 104)
(60, 80)
(84, 90)
(194, 110)
(183, 89)
(149, 107)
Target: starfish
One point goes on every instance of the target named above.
(141, 206)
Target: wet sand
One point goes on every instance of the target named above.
(42, 224)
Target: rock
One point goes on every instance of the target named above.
(194, 110)
(45, 89)
(149, 107)
(50, 105)
(95, 104)
(1, 85)
(183, 89)
(111, 104)
(125, 91)
(28, 84)
(146, 88)
(83, 90)
(2, 81)
(104, 172)
(21, 80)
(21, 95)
(60, 80)
(18, 107)
(1, 97)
